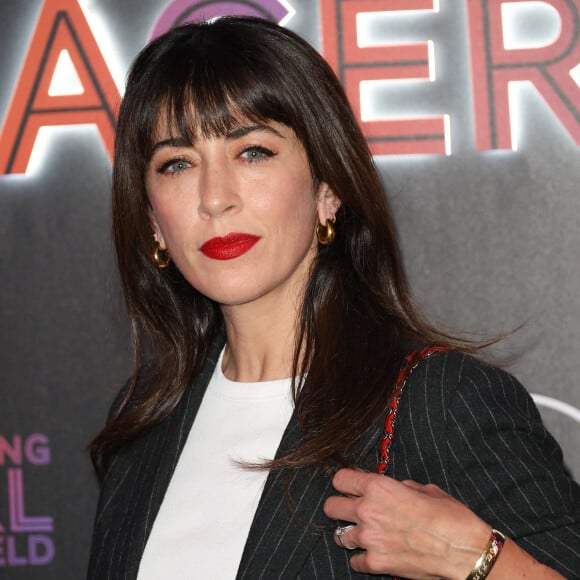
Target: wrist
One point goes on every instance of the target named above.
(464, 552)
(488, 557)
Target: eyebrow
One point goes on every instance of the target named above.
(236, 133)
(172, 142)
(246, 130)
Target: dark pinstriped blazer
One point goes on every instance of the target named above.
(469, 428)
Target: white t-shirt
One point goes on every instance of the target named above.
(205, 517)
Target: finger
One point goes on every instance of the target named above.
(343, 537)
(340, 508)
(351, 482)
(366, 563)
(357, 562)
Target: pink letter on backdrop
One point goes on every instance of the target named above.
(354, 64)
(547, 67)
(61, 26)
(181, 11)
(19, 521)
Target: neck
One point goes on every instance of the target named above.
(261, 339)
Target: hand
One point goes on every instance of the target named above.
(405, 528)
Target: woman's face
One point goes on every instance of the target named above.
(238, 213)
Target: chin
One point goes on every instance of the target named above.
(230, 296)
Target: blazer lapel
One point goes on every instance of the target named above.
(289, 521)
(140, 477)
(175, 434)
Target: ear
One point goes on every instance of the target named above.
(327, 203)
(157, 233)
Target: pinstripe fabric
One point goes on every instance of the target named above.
(469, 428)
(475, 432)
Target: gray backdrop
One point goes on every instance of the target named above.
(490, 240)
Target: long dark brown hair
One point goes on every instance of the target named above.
(357, 319)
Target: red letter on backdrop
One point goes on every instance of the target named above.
(354, 64)
(548, 68)
(61, 26)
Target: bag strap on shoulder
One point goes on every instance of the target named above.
(411, 361)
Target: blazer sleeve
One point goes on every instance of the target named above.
(474, 430)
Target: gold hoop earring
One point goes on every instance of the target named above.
(161, 258)
(325, 234)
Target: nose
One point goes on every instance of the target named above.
(218, 193)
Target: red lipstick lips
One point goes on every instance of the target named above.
(229, 247)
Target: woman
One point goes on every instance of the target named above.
(271, 318)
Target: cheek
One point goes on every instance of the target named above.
(293, 202)
(172, 197)
(169, 224)
(302, 212)
(172, 211)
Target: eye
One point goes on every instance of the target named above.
(256, 153)
(174, 166)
